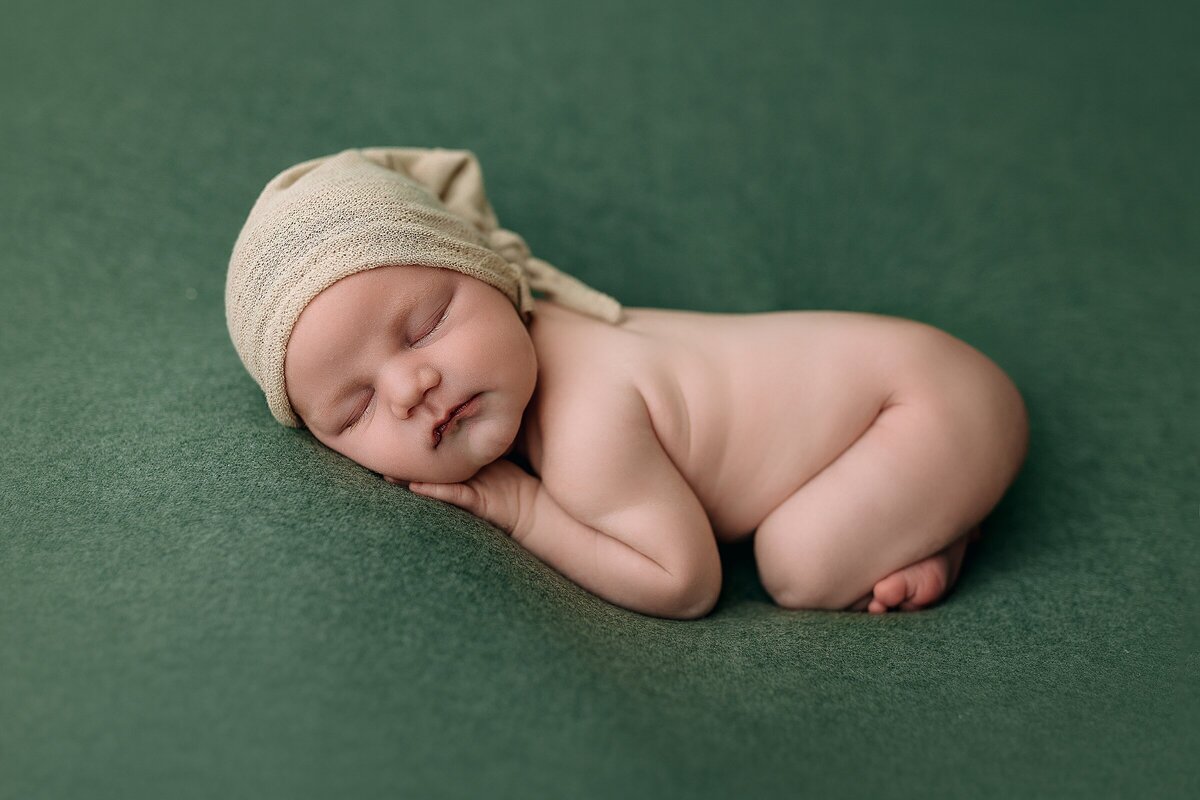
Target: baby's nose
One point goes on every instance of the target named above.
(410, 389)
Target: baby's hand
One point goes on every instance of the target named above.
(501, 492)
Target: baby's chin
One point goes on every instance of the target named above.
(483, 451)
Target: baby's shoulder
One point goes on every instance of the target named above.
(576, 402)
(578, 413)
(599, 452)
(593, 383)
(585, 367)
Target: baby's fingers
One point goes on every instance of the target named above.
(460, 494)
(494, 494)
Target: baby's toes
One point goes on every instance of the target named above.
(927, 582)
(889, 592)
(876, 607)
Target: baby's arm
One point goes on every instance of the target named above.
(612, 512)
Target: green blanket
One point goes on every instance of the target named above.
(198, 602)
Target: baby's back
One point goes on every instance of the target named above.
(748, 407)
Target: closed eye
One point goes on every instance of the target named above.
(435, 327)
(359, 415)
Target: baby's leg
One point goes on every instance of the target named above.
(925, 472)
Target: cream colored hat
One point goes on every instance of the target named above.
(324, 219)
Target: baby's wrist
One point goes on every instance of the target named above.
(529, 491)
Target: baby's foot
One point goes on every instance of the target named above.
(920, 584)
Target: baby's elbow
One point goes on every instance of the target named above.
(695, 598)
(696, 610)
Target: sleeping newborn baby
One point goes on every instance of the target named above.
(377, 302)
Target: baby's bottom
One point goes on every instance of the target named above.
(922, 476)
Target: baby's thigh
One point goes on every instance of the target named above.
(925, 471)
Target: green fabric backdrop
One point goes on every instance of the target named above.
(198, 602)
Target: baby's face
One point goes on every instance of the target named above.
(377, 360)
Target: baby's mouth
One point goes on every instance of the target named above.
(451, 417)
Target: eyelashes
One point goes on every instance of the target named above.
(358, 417)
(435, 327)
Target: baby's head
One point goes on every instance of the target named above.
(379, 360)
(372, 292)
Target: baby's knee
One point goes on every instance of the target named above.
(812, 596)
(812, 582)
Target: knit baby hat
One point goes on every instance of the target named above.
(327, 218)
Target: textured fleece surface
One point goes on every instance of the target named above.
(198, 602)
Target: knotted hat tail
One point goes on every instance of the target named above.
(457, 179)
(327, 218)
